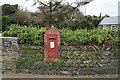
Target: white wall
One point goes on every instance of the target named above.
(0, 34)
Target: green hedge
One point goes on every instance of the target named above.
(89, 36)
(25, 34)
(31, 35)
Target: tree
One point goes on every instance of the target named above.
(37, 20)
(7, 15)
(6, 20)
(8, 9)
(90, 22)
(56, 11)
(61, 16)
(23, 17)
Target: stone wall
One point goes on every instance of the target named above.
(77, 60)
(90, 48)
(8, 53)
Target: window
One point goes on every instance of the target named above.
(113, 27)
(104, 27)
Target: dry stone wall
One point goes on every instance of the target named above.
(77, 60)
(90, 48)
(8, 53)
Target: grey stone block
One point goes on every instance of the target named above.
(8, 54)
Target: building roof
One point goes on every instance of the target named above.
(110, 21)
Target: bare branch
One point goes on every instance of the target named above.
(57, 4)
(80, 3)
(43, 3)
(83, 2)
(34, 3)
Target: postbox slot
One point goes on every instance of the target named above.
(52, 38)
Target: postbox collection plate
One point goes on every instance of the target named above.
(52, 44)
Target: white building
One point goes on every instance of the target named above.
(110, 23)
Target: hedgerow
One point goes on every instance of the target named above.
(31, 35)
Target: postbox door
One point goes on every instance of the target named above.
(52, 46)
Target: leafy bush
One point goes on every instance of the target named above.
(88, 36)
(35, 36)
(6, 20)
(25, 34)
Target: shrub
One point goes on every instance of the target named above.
(29, 35)
(35, 36)
(88, 36)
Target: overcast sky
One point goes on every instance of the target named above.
(96, 7)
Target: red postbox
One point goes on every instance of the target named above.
(51, 44)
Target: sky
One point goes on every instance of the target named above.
(109, 7)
